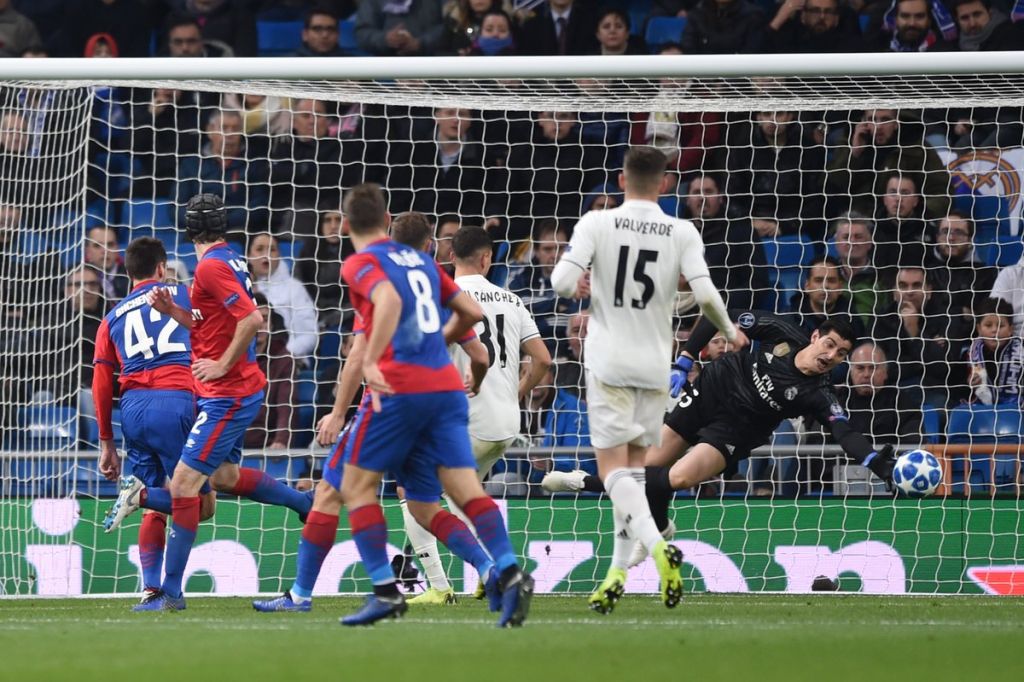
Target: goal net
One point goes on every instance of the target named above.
(885, 188)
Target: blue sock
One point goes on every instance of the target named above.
(157, 499)
(184, 524)
(371, 536)
(317, 539)
(457, 537)
(259, 486)
(490, 528)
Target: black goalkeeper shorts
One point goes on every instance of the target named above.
(698, 420)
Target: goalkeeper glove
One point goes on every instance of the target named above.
(881, 462)
(680, 375)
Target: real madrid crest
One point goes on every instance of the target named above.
(791, 391)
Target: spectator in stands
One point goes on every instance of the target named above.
(776, 176)
(272, 278)
(955, 267)
(17, 31)
(533, 284)
(736, 259)
(613, 34)
(822, 297)
(399, 27)
(553, 417)
(224, 22)
(319, 267)
(463, 22)
(496, 36)
(568, 367)
(560, 27)
(879, 144)
(724, 27)
(263, 117)
(601, 198)
(813, 26)
(900, 226)
(272, 426)
(984, 27)
(15, 160)
(996, 356)
(920, 336)
(686, 138)
(309, 168)
(916, 26)
(128, 21)
(447, 226)
(165, 127)
(74, 343)
(223, 168)
(1009, 286)
(320, 33)
(177, 273)
(34, 52)
(103, 253)
(185, 39)
(855, 249)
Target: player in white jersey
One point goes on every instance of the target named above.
(635, 254)
(507, 331)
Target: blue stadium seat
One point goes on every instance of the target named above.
(984, 424)
(276, 38)
(661, 30)
(288, 251)
(42, 476)
(49, 427)
(347, 39)
(931, 427)
(158, 214)
(329, 347)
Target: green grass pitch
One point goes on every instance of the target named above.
(708, 637)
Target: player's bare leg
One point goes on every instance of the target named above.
(515, 585)
(259, 486)
(318, 535)
(369, 530)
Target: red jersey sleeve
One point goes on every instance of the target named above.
(105, 350)
(217, 278)
(449, 289)
(362, 273)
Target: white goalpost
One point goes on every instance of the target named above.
(862, 185)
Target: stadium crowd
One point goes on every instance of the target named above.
(809, 214)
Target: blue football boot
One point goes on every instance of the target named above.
(282, 603)
(377, 608)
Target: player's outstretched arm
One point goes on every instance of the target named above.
(465, 313)
(207, 369)
(349, 379)
(540, 361)
(160, 300)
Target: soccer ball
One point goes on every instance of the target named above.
(917, 473)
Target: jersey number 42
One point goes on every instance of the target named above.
(137, 339)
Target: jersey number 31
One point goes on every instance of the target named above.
(137, 339)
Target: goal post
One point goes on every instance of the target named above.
(904, 169)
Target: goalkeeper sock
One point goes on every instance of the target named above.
(157, 499)
(371, 536)
(425, 546)
(152, 535)
(659, 494)
(593, 484)
(261, 487)
(490, 527)
(317, 540)
(628, 499)
(622, 547)
(184, 524)
(456, 537)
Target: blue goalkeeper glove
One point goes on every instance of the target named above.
(680, 375)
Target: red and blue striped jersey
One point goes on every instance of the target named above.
(416, 360)
(152, 350)
(222, 295)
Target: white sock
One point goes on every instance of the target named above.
(296, 599)
(628, 499)
(424, 545)
(622, 547)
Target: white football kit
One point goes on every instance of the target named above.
(635, 254)
(494, 411)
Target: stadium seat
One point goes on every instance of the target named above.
(329, 348)
(49, 427)
(158, 214)
(42, 476)
(661, 30)
(931, 427)
(984, 424)
(347, 39)
(288, 251)
(277, 38)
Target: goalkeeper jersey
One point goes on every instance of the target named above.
(494, 412)
(635, 253)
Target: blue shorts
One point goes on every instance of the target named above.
(219, 431)
(412, 435)
(155, 426)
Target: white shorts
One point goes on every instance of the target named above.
(487, 452)
(620, 415)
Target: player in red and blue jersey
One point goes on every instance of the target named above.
(229, 388)
(415, 420)
(154, 353)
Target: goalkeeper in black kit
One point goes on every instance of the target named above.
(736, 403)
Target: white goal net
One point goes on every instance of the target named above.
(884, 190)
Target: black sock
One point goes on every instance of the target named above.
(387, 590)
(659, 494)
(593, 484)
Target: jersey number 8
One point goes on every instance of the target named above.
(427, 316)
(137, 339)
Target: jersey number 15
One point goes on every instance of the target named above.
(640, 276)
(137, 339)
